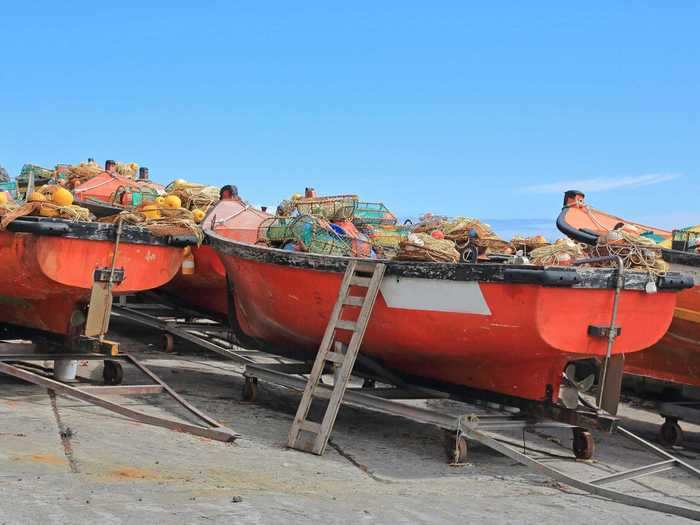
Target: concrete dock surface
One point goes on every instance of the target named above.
(64, 461)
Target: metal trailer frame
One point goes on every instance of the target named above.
(670, 433)
(386, 399)
(18, 360)
(480, 428)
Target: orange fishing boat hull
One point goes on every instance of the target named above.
(676, 357)
(206, 289)
(464, 325)
(47, 279)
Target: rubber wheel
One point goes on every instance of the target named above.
(167, 343)
(670, 433)
(583, 445)
(250, 389)
(457, 450)
(112, 373)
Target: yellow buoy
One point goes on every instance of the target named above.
(3, 198)
(35, 196)
(160, 201)
(151, 211)
(62, 197)
(172, 201)
(198, 215)
(179, 182)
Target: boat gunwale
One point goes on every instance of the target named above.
(95, 231)
(571, 277)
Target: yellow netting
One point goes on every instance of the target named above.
(43, 209)
(561, 253)
(637, 252)
(423, 247)
(527, 244)
(169, 221)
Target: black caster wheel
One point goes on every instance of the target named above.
(670, 433)
(167, 343)
(250, 389)
(583, 445)
(456, 448)
(112, 372)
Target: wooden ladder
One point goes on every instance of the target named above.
(362, 274)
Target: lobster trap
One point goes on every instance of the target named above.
(333, 208)
(374, 213)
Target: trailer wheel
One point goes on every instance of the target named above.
(112, 372)
(250, 389)
(167, 343)
(457, 449)
(583, 445)
(670, 433)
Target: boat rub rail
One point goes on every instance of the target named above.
(486, 272)
(95, 231)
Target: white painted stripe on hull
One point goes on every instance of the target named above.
(434, 295)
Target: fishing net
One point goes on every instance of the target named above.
(79, 173)
(195, 196)
(424, 247)
(637, 252)
(528, 244)
(385, 239)
(161, 222)
(336, 207)
(309, 234)
(43, 209)
(562, 253)
(129, 169)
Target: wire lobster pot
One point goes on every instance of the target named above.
(305, 233)
(334, 208)
(374, 213)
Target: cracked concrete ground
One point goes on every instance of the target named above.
(64, 461)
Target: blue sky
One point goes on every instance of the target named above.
(485, 109)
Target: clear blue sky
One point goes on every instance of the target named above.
(483, 109)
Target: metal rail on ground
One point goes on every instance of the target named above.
(18, 360)
(388, 397)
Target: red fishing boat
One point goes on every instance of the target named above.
(49, 265)
(676, 357)
(505, 329)
(205, 288)
(109, 192)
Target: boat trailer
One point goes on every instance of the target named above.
(478, 422)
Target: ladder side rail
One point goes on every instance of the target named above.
(348, 364)
(320, 362)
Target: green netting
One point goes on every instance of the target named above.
(373, 213)
(41, 175)
(309, 233)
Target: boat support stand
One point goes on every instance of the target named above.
(20, 360)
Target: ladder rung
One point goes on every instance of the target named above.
(360, 281)
(346, 325)
(365, 267)
(354, 300)
(310, 426)
(335, 357)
